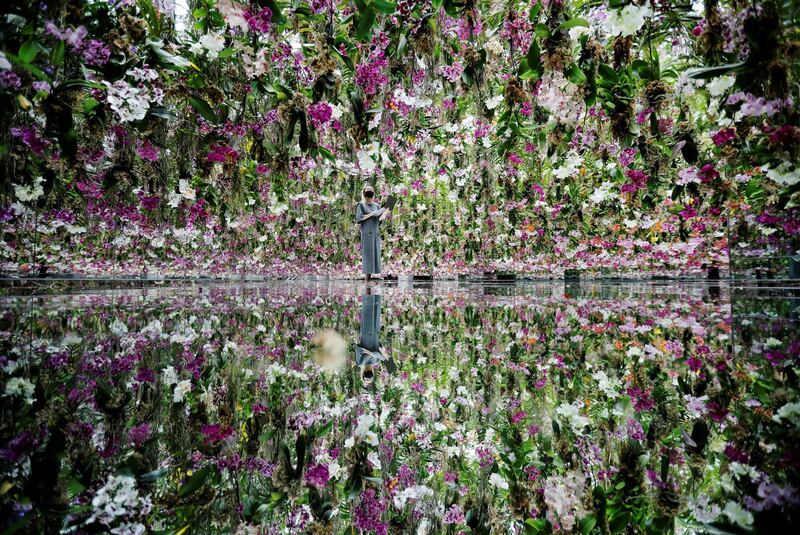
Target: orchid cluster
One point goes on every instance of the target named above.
(552, 408)
(621, 137)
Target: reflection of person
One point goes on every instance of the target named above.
(369, 215)
(369, 353)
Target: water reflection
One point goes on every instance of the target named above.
(493, 408)
(369, 351)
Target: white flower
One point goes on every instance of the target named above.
(128, 102)
(119, 498)
(569, 167)
(415, 492)
(233, 13)
(186, 191)
(602, 193)
(213, 43)
(563, 497)
(628, 21)
(493, 102)
(169, 376)
(118, 328)
(608, 386)
(717, 86)
(702, 509)
(571, 412)
(782, 175)
(789, 412)
(181, 389)
(19, 386)
(30, 193)
(737, 514)
(696, 406)
(4, 63)
(374, 460)
(685, 176)
(498, 481)
(773, 342)
(578, 31)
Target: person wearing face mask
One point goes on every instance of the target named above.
(369, 215)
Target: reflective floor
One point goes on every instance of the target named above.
(440, 407)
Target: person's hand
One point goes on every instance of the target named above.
(383, 215)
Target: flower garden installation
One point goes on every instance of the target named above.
(586, 213)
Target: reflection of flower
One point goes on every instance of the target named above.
(737, 514)
(571, 412)
(30, 193)
(181, 389)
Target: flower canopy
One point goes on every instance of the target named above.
(205, 136)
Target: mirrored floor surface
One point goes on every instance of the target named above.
(440, 407)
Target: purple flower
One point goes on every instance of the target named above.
(221, 153)
(708, 173)
(638, 180)
(634, 430)
(259, 21)
(215, 433)
(317, 475)
(139, 435)
(20, 446)
(320, 113)
(41, 86)
(641, 399)
(736, 455)
(367, 514)
(10, 80)
(95, 53)
(454, 515)
(147, 151)
(370, 76)
(717, 412)
(723, 136)
(30, 137)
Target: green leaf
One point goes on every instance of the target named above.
(162, 113)
(572, 23)
(68, 141)
(534, 14)
(713, 72)
(195, 481)
(202, 107)
(534, 526)
(227, 52)
(33, 69)
(166, 59)
(385, 7)
(533, 57)
(152, 476)
(588, 523)
(576, 75)
(75, 487)
(325, 429)
(607, 73)
(365, 23)
(90, 104)
(619, 522)
(28, 51)
(57, 57)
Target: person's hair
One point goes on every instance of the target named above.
(364, 191)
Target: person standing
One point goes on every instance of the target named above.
(369, 215)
